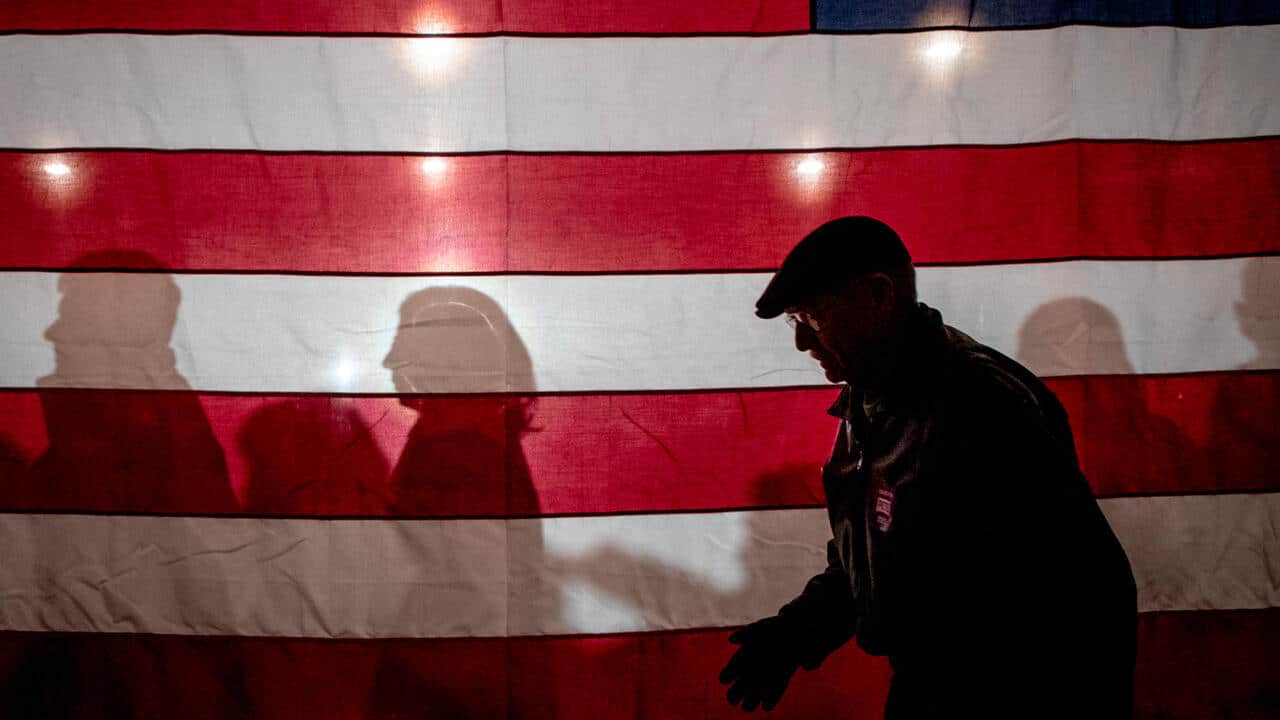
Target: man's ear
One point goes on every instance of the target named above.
(881, 287)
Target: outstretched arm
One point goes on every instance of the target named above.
(802, 634)
(822, 615)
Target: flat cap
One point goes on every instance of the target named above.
(826, 257)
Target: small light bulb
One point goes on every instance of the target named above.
(57, 169)
(944, 50)
(433, 52)
(810, 168)
(344, 371)
(434, 167)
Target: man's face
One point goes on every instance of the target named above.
(844, 331)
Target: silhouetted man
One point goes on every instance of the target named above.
(118, 445)
(129, 449)
(967, 546)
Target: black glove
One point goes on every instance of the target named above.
(759, 671)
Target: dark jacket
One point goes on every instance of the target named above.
(967, 545)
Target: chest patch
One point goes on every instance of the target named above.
(884, 509)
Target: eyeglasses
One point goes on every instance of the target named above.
(801, 317)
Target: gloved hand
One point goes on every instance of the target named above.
(758, 673)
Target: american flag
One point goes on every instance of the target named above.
(397, 358)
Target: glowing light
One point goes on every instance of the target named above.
(61, 179)
(434, 167)
(435, 170)
(344, 371)
(432, 27)
(810, 168)
(432, 55)
(943, 50)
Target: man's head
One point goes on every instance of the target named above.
(847, 288)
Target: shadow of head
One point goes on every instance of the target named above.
(1258, 310)
(788, 485)
(1073, 336)
(114, 328)
(457, 340)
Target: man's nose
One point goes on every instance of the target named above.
(393, 359)
(804, 337)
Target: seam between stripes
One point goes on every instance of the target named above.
(602, 392)
(637, 153)
(1050, 260)
(813, 30)
(696, 630)
(1230, 492)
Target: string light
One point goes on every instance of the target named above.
(810, 168)
(943, 50)
(434, 167)
(344, 371)
(433, 55)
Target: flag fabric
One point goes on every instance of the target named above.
(397, 359)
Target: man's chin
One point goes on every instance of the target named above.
(834, 375)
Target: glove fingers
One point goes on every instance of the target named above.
(760, 687)
(773, 693)
(759, 671)
(736, 666)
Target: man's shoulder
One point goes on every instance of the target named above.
(978, 374)
(992, 398)
(949, 366)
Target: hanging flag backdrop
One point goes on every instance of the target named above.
(397, 359)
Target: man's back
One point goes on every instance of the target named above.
(981, 563)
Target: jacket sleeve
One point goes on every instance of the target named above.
(823, 614)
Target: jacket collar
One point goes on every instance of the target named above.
(926, 340)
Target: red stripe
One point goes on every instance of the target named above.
(411, 16)
(1208, 665)
(660, 675)
(1171, 434)
(189, 453)
(665, 675)
(558, 213)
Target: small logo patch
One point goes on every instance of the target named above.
(884, 509)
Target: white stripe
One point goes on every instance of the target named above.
(346, 334)
(1206, 552)
(620, 94)
(389, 578)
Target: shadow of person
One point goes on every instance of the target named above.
(310, 456)
(1123, 445)
(1258, 312)
(13, 466)
(453, 351)
(850, 684)
(1243, 418)
(115, 444)
(454, 360)
(1241, 441)
(125, 434)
